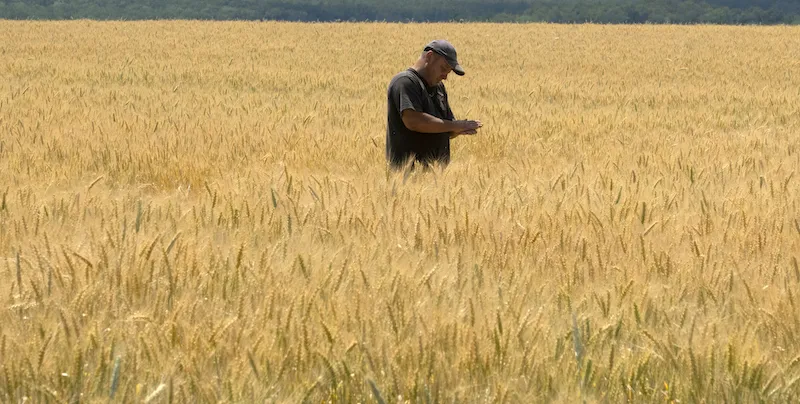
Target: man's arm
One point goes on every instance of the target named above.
(426, 123)
(450, 116)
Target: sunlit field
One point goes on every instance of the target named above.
(201, 212)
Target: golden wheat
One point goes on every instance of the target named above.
(200, 212)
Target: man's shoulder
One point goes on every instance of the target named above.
(404, 73)
(404, 78)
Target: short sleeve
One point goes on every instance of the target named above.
(408, 95)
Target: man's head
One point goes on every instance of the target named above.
(440, 59)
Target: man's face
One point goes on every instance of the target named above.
(440, 68)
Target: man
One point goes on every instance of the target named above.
(420, 123)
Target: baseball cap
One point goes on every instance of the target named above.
(447, 50)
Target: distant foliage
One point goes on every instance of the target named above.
(558, 11)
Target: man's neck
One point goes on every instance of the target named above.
(423, 72)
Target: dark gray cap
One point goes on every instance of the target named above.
(447, 50)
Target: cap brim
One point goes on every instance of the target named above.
(453, 63)
(456, 67)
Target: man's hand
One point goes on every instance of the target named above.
(465, 126)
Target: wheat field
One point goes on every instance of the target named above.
(201, 212)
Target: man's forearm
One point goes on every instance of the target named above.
(426, 123)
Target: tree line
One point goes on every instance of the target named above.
(556, 11)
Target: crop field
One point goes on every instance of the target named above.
(201, 212)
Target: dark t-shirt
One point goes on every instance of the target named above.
(408, 90)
